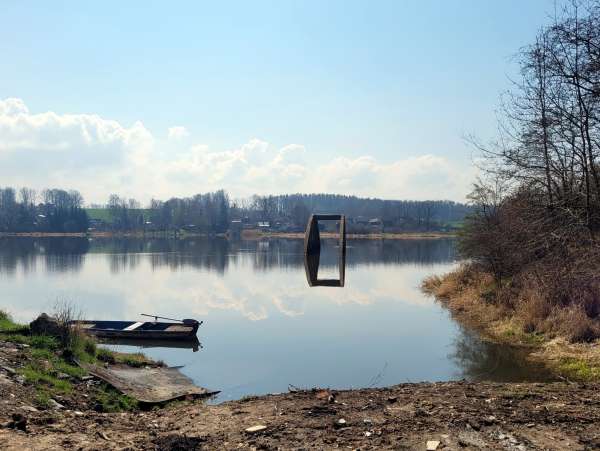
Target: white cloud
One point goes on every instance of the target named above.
(100, 156)
(178, 132)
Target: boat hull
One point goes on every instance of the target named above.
(149, 331)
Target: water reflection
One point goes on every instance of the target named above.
(144, 343)
(483, 360)
(66, 254)
(57, 254)
(264, 327)
(311, 268)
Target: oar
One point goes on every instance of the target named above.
(161, 317)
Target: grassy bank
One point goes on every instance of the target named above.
(561, 338)
(49, 364)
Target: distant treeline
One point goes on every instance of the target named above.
(401, 214)
(213, 213)
(56, 210)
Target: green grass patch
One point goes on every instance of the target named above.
(44, 342)
(36, 375)
(136, 360)
(42, 399)
(533, 338)
(71, 370)
(103, 214)
(8, 326)
(99, 214)
(110, 400)
(42, 354)
(578, 369)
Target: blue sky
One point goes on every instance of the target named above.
(367, 98)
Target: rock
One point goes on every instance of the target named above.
(18, 422)
(77, 413)
(489, 420)
(256, 429)
(63, 376)
(103, 435)
(341, 423)
(29, 409)
(20, 379)
(9, 370)
(55, 404)
(45, 325)
(474, 424)
(392, 399)
(432, 445)
(368, 434)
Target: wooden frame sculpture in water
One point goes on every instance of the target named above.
(312, 251)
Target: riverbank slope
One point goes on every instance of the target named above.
(458, 415)
(471, 296)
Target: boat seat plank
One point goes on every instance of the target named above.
(133, 326)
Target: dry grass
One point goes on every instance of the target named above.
(564, 337)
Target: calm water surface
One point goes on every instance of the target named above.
(264, 327)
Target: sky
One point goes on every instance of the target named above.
(159, 99)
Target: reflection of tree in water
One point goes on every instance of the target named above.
(482, 360)
(290, 253)
(59, 254)
(121, 262)
(215, 254)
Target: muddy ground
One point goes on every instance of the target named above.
(458, 415)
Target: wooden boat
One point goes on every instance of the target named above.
(151, 330)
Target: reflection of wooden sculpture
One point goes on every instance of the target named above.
(312, 251)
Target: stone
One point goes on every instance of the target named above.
(18, 422)
(55, 404)
(255, 429)
(432, 445)
(489, 420)
(29, 409)
(45, 325)
(8, 369)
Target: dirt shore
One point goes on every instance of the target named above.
(458, 415)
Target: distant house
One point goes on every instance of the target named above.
(376, 225)
(263, 225)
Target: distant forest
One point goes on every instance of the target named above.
(56, 210)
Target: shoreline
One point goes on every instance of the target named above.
(448, 415)
(466, 301)
(246, 235)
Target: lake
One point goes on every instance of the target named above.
(264, 327)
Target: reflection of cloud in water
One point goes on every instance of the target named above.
(126, 278)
